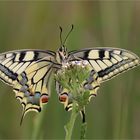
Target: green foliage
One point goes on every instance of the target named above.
(73, 77)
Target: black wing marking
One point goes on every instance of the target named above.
(15, 62)
(32, 86)
(28, 71)
(107, 62)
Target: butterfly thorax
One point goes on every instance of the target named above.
(62, 55)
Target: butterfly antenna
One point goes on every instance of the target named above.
(72, 26)
(60, 34)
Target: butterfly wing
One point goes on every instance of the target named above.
(14, 63)
(32, 86)
(28, 72)
(107, 62)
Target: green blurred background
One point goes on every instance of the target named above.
(115, 113)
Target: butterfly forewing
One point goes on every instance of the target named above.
(107, 62)
(14, 63)
(28, 71)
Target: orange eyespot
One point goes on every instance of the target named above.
(63, 97)
(44, 98)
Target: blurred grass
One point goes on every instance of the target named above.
(115, 111)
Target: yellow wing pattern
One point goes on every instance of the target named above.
(32, 87)
(28, 72)
(107, 62)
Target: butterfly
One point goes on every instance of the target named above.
(29, 71)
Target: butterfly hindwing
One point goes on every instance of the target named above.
(107, 62)
(32, 87)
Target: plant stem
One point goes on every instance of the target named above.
(69, 126)
(83, 130)
(72, 79)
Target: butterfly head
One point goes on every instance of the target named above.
(62, 53)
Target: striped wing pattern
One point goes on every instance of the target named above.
(32, 86)
(28, 72)
(14, 63)
(107, 62)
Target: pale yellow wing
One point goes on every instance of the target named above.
(28, 72)
(107, 62)
(14, 63)
(32, 86)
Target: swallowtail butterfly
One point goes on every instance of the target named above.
(29, 71)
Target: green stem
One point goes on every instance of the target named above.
(83, 130)
(69, 126)
(72, 79)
